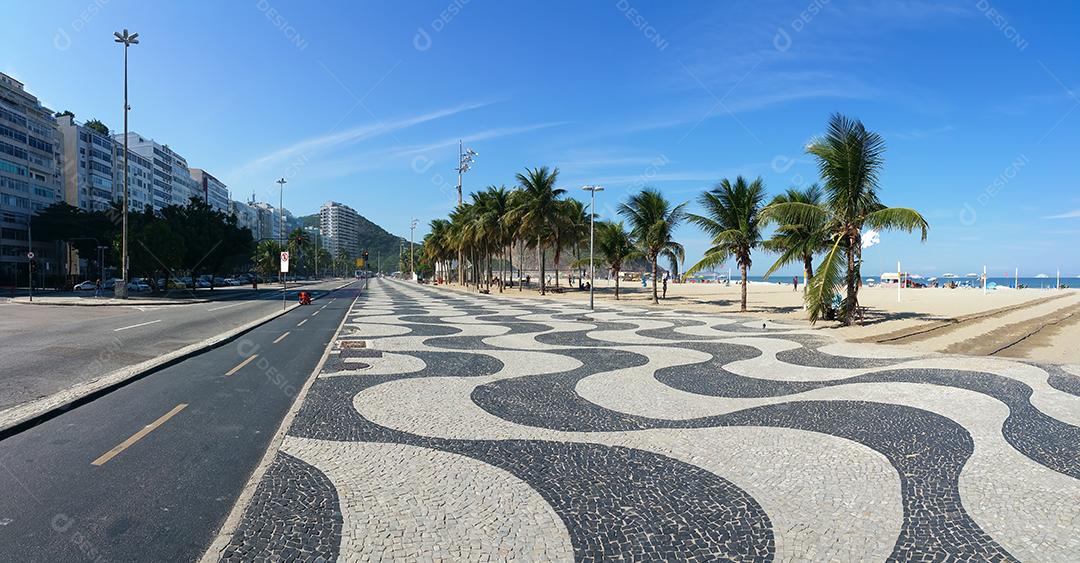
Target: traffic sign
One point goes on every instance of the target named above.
(284, 262)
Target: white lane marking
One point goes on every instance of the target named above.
(138, 325)
(315, 313)
(282, 337)
(301, 322)
(227, 306)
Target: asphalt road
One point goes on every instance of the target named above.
(151, 470)
(50, 348)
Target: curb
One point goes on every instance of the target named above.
(232, 521)
(27, 415)
(139, 301)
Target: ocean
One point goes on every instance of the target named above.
(1032, 282)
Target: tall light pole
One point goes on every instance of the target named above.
(120, 290)
(281, 233)
(465, 160)
(412, 237)
(592, 239)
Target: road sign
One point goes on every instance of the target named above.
(30, 255)
(284, 262)
(359, 262)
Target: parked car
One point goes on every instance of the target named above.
(109, 284)
(86, 285)
(202, 283)
(138, 286)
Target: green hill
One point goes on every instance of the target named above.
(374, 238)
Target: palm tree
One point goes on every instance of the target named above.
(437, 247)
(537, 210)
(571, 227)
(652, 222)
(850, 159)
(733, 219)
(342, 257)
(793, 240)
(614, 246)
(266, 257)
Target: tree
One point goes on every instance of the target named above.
(537, 209)
(732, 218)
(97, 125)
(266, 256)
(653, 221)
(850, 159)
(615, 247)
(793, 240)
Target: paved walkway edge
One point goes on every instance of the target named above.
(27, 415)
(221, 541)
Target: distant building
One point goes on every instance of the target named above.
(30, 174)
(172, 182)
(212, 190)
(140, 179)
(247, 217)
(268, 221)
(340, 226)
(88, 164)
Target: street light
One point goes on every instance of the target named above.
(412, 237)
(592, 238)
(281, 232)
(120, 290)
(465, 160)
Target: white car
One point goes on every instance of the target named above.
(86, 285)
(138, 286)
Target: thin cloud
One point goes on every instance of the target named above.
(359, 133)
(1074, 214)
(478, 136)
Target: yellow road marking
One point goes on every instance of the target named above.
(301, 322)
(282, 337)
(105, 457)
(241, 365)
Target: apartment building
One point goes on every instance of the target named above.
(213, 191)
(30, 174)
(340, 226)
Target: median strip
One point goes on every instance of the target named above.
(241, 365)
(136, 326)
(105, 457)
(282, 337)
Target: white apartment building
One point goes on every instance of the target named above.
(172, 182)
(212, 190)
(340, 226)
(88, 164)
(247, 217)
(30, 173)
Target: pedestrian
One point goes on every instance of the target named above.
(795, 282)
(528, 280)
(97, 288)
(665, 287)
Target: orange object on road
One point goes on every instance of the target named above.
(305, 298)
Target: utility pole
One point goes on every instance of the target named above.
(465, 160)
(412, 258)
(120, 290)
(281, 233)
(592, 239)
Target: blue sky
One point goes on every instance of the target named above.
(363, 102)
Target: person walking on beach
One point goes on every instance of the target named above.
(665, 286)
(795, 282)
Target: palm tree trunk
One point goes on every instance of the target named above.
(852, 300)
(808, 270)
(743, 268)
(654, 299)
(616, 284)
(543, 282)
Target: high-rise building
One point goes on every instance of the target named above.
(340, 225)
(247, 217)
(88, 164)
(140, 179)
(29, 173)
(268, 222)
(212, 190)
(172, 181)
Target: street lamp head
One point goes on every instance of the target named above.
(125, 38)
(281, 181)
(593, 188)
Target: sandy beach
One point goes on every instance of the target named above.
(1034, 324)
